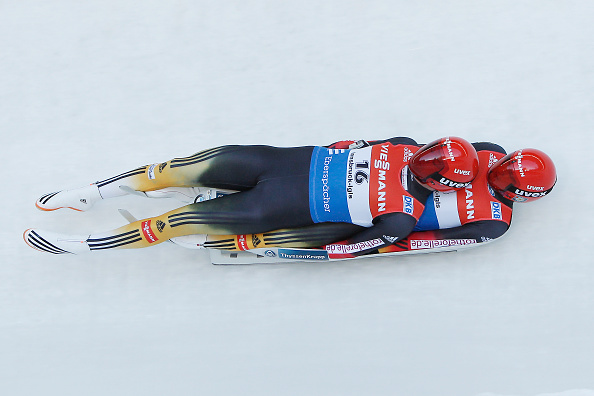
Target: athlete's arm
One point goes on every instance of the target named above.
(480, 231)
(386, 230)
(476, 232)
(345, 144)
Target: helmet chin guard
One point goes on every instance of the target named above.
(446, 164)
(524, 175)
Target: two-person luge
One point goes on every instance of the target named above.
(347, 199)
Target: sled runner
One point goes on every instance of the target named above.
(287, 255)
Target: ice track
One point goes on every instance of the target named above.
(92, 89)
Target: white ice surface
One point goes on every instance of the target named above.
(89, 89)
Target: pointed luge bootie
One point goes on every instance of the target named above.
(80, 199)
(52, 242)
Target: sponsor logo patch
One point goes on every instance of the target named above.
(390, 239)
(492, 159)
(408, 204)
(295, 254)
(447, 182)
(325, 185)
(255, 240)
(383, 162)
(354, 247)
(149, 235)
(436, 200)
(469, 203)
(151, 172)
(350, 179)
(448, 144)
(417, 244)
(535, 188)
(518, 158)
(404, 177)
(407, 155)
(530, 194)
(496, 210)
(241, 242)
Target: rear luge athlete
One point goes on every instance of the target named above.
(366, 198)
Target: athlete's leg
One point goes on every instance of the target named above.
(304, 237)
(275, 203)
(228, 167)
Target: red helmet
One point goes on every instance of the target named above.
(445, 164)
(524, 175)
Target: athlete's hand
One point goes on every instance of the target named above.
(349, 144)
(358, 144)
(342, 144)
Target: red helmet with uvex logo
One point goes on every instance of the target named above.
(446, 164)
(524, 175)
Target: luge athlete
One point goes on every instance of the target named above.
(479, 212)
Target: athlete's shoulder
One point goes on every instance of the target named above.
(398, 140)
(488, 146)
